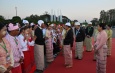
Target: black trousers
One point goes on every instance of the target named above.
(56, 48)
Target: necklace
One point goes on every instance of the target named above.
(4, 47)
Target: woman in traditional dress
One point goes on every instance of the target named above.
(49, 45)
(101, 49)
(63, 37)
(109, 40)
(95, 36)
(6, 55)
(23, 38)
(31, 44)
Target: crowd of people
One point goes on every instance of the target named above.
(22, 47)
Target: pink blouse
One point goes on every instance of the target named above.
(101, 39)
(4, 64)
(16, 49)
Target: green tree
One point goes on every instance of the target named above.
(113, 23)
(95, 21)
(32, 18)
(45, 17)
(103, 16)
(65, 19)
(2, 19)
(16, 19)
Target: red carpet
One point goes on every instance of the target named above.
(33, 69)
(86, 65)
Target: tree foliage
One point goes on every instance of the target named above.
(34, 18)
(95, 21)
(16, 19)
(2, 19)
(107, 17)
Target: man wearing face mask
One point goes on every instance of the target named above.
(16, 47)
(39, 47)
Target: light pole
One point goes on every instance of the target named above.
(16, 10)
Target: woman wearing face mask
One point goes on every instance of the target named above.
(6, 56)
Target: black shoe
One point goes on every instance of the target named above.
(38, 71)
(108, 55)
(94, 59)
(88, 51)
(79, 59)
(76, 57)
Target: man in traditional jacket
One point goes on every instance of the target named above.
(80, 36)
(39, 47)
(88, 39)
(68, 44)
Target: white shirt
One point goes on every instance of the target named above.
(44, 32)
(31, 43)
(16, 49)
(23, 43)
(54, 36)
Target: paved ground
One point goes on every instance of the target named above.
(113, 32)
